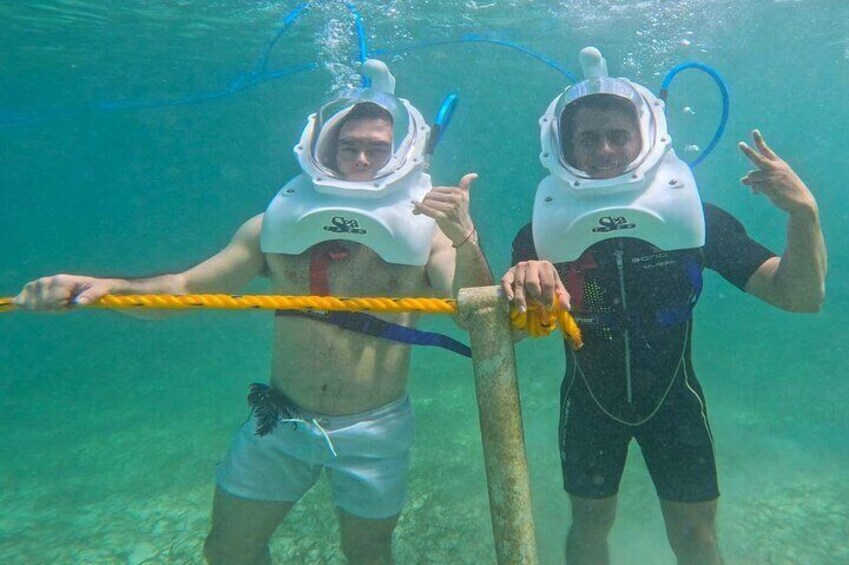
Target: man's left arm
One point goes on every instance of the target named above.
(796, 280)
(456, 259)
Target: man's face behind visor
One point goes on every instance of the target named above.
(363, 147)
(600, 135)
(363, 144)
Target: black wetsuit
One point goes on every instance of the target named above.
(634, 376)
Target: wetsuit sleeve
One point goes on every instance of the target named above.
(523, 245)
(728, 248)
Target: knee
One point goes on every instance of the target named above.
(593, 520)
(693, 541)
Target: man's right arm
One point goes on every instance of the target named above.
(225, 272)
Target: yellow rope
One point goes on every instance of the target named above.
(536, 321)
(268, 302)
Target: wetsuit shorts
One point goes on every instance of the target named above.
(366, 457)
(676, 444)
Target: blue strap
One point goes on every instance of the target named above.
(675, 315)
(374, 326)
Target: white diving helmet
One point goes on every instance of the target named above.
(320, 205)
(654, 198)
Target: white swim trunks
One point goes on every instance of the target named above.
(366, 457)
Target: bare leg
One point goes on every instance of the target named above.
(691, 530)
(241, 529)
(592, 520)
(364, 541)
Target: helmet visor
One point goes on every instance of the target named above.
(364, 106)
(603, 129)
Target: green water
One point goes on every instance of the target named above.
(111, 427)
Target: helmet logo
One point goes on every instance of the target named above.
(344, 225)
(610, 223)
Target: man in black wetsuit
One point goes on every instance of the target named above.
(621, 238)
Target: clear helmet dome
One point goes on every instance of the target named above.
(568, 133)
(319, 148)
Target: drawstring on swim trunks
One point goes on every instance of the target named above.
(315, 423)
(272, 407)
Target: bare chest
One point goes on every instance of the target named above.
(356, 272)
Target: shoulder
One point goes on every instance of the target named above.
(716, 215)
(720, 225)
(729, 249)
(251, 229)
(524, 237)
(523, 245)
(247, 236)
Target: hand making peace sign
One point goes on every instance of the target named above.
(775, 178)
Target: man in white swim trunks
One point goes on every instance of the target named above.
(337, 398)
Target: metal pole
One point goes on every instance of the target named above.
(486, 315)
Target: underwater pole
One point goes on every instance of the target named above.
(487, 316)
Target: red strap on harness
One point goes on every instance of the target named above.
(320, 258)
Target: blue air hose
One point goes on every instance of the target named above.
(440, 124)
(261, 74)
(242, 82)
(288, 19)
(723, 89)
(251, 80)
(473, 38)
(361, 39)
